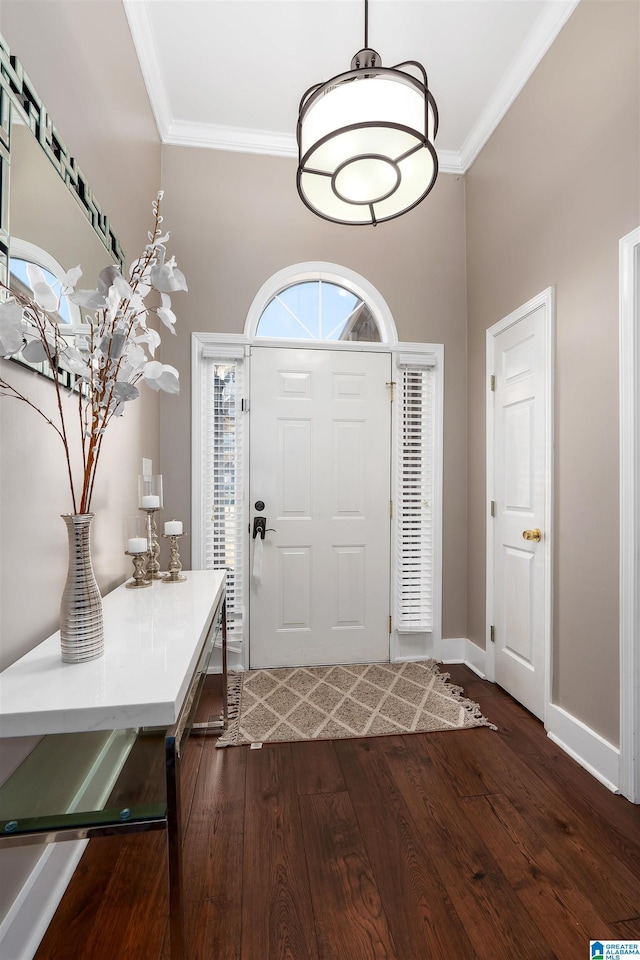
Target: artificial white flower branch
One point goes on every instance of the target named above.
(108, 358)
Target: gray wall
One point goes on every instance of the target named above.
(103, 115)
(236, 220)
(105, 120)
(548, 199)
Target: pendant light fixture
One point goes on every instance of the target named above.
(365, 140)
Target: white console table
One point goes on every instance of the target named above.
(158, 643)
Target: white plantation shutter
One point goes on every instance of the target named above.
(415, 464)
(223, 476)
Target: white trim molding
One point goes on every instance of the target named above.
(142, 33)
(462, 650)
(239, 139)
(630, 516)
(404, 647)
(271, 143)
(29, 915)
(450, 161)
(331, 273)
(275, 143)
(599, 757)
(548, 26)
(26, 250)
(32, 911)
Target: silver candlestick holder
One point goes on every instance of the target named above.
(153, 549)
(138, 570)
(175, 574)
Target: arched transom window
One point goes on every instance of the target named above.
(318, 310)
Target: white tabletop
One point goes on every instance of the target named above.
(152, 640)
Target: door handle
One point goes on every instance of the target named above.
(260, 528)
(535, 535)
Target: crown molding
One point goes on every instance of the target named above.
(450, 161)
(545, 31)
(244, 140)
(142, 34)
(241, 139)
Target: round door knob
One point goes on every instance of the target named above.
(534, 534)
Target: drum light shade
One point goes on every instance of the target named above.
(365, 142)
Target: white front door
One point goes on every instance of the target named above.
(520, 478)
(320, 464)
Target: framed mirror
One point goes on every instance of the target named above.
(48, 214)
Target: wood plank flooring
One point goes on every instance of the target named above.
(467, 845)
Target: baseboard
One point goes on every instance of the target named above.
(31, 912)
(599, 757)
(451, 650)
(461, 650)
(29, 915)
(235, 658)
(589, 749)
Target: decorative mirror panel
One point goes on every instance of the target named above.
(46, 204)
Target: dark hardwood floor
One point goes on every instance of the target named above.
(460, 845)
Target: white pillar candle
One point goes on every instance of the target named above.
(137, 545)
(150, 502)
(173, 528)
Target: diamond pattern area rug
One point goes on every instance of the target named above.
(352, 700)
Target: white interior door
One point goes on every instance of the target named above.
(320, 463)
(519, 534)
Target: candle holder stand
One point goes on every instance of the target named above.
(153, 551)
(138, 571)
(175, 574)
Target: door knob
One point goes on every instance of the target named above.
(534, 534)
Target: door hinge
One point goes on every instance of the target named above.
(390, 627)
(493, 508)
(244, 406)
(390, 508)
(493, 382)
(492, 634)
(392, 384)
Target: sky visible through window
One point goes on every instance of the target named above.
(18, 269)
(317, 310)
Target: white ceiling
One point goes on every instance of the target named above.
(229, 74)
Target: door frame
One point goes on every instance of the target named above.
(545, 299)
(629, 771)
(402, 646)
